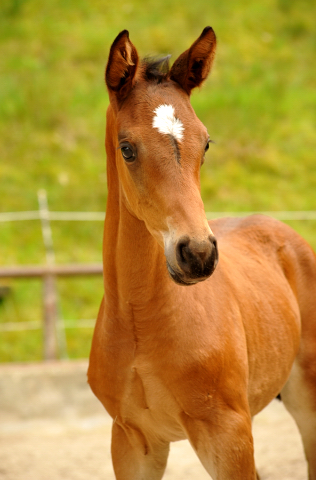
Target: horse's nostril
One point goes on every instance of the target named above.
(213, 242)
(183, 252)
(214, 251)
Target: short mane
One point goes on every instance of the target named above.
(156, 69)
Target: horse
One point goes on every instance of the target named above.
(202, 323)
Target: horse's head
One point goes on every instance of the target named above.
(159, 146)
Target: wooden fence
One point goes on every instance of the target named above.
(48, 274)
(50, 271)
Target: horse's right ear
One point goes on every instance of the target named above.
(121, 67)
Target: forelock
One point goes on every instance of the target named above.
(156, 69)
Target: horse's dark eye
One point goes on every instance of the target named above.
(128, 153)
(207, 146)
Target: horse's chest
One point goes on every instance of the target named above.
(148, 405)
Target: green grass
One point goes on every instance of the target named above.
(259, 106)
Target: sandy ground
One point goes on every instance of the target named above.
(52, 428)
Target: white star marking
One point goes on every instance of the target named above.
(166, 122)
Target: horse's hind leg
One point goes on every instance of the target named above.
(299, 397)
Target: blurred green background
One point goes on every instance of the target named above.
(259, 106)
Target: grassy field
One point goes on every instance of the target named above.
(259, 106)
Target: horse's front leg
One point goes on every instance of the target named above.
(136, 458)
(224, 444)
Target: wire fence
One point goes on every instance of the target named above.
(52, 216)
(38, 325)
(99, 216)
(52, 324)
(55, 327)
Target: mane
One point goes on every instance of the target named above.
(156, 69)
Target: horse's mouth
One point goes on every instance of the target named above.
(180, 280)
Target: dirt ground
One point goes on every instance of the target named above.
(52, 428)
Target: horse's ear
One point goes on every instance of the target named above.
(121, 67)
(194, 65)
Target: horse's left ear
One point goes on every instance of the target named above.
(121, 67)
(193, 66)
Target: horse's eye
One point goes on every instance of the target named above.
(128, 153)
(207, 146)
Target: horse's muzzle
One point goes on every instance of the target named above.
(194, 261)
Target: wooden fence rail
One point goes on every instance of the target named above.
(27, 271)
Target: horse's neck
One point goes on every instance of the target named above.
(134, 263)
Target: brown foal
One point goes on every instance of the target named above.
(202, 324)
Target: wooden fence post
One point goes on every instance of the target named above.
(50, 315)
(49, 284)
